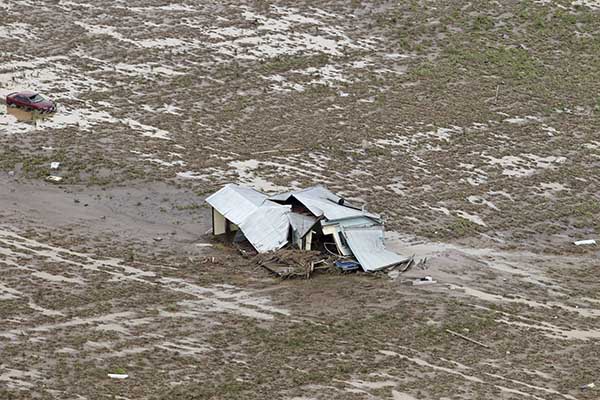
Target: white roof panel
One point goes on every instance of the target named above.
(329, 209)
(236, 202)
(267, 228)
(323, 203)
(367, 246)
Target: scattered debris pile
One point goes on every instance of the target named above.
(312, 219)
(290, 264)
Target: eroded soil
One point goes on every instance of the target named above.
(471, 127)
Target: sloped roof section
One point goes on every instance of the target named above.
(321, 202)
(367, 246)
(316, 192)
(267, 228)
(320, 192)
(302, 223)
(235, 202)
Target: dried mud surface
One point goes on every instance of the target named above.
(472, 127)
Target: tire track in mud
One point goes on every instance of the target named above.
(18, 250)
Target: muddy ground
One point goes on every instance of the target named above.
(472, 127)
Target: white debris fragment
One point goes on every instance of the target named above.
(584, 242)
(427, 280)
(118, 376)
(54, 165)
(54, 178)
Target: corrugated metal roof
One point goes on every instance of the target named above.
(317, 191)
(281, 196)
(320, 192)
(267, 228)
(329, 209)
(266, 224)
(368, 248)
(359, 221)
(323, 203)
(236, 203)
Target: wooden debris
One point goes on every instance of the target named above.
(408, 265)
(292, 264)
(243, 252)
(467, 339)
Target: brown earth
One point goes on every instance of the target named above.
(470, 126)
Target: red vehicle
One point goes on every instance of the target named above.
(30, 101)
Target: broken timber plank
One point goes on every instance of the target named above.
(408, 264)
(272, 271)
(467, 339)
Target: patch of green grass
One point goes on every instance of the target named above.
(462, 227)
(119, 371)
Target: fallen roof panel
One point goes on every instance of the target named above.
(267, 228)
(367, 246)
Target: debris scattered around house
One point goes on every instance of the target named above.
(467, 339)
(585, 242)
(427, 280)
(118, 376)
(408, 264)
(347, 266)
(54, 179)
(293, 264)
(310, 219)
(54, 165)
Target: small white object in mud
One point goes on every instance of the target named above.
(118, 376)
(424, 281)
(54, 165)
(588, 386)
(54, 179)
(158, 239)
(584, 242)
(203, 244)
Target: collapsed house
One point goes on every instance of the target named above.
(309, 219)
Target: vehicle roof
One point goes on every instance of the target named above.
(27, 93)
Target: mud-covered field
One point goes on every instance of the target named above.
(472, 127)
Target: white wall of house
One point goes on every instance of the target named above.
(308, 241)
(219, 223)
(222, 225)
